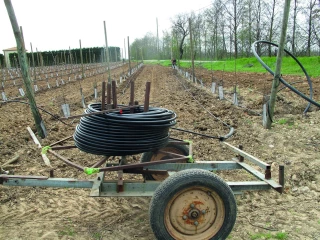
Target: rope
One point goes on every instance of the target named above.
(123, 133)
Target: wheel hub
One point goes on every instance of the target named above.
(194, 213)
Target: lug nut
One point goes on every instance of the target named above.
(203, 211)
(184, 217)
(192, 205)
(196, 223)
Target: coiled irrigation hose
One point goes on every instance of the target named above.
(309, 99)
(123, 133)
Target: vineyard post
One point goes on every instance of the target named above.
(158, 53)
(276, 82)
(141, 55)
(192, 54)
(107, 51)
(171, 45)
(40, 62)
(21, 31)
(33, 66)
(64, 56)
(176, 53)
(70, 56)
(81, 58)
(129, 56)
(125, 51)
(24, 70)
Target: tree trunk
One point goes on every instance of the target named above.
(271, 27)
(235, 31)
(293, 41)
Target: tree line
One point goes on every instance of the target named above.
(228, 28)
(71, 56)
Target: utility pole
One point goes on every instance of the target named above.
(276, 78)
(41, 129)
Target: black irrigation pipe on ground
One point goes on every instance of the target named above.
(56, 117)
(239, 105)
(309, 99)
(244, 107)
(221, 138)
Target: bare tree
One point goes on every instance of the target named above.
(257, 13)
(180, 26)
(294, 27)
(316, 26)
(234, 8)
(270, 35)
(215, 25)
(309, 13)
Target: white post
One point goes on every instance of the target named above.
(213, 87)
(221, 92)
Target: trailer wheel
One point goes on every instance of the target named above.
(153, 156)
(193, 204)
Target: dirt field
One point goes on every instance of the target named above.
(48, 213)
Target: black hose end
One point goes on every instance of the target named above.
(221, 139)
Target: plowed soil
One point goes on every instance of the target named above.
(57, 213)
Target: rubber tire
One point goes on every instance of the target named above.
(147, 156)
(181, 181)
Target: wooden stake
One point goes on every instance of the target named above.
(12, 160)
(107, 51)
(192, 53)
(114, 94)
(81, 58)
(25, 71)
(36, 141)
(277, 73)
(131, 96)
(103, 96)
(147, 97)
(109, 93)
(129, 56)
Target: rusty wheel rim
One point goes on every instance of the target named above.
(194, 213)
(162, 156)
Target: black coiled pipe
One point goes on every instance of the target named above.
(309, 99)
(123, 133)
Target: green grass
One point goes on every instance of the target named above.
(289, 66)
(279, 235)
(69, 231)
(284, 121)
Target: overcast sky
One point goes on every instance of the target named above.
(58, 24)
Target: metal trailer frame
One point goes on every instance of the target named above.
(220, 210)
(128, 188)
(181, 202)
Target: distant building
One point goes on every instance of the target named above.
(6, 53)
